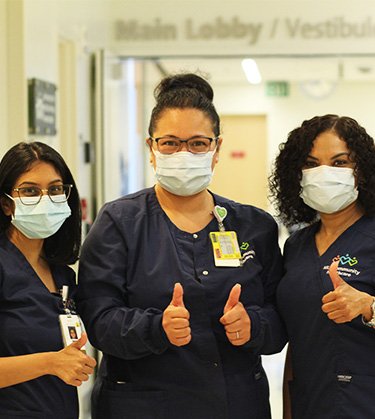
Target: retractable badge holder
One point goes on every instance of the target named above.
(70, 323)
(220, 214)
(224, 243)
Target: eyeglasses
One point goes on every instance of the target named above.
(56, 193)
(198, 144)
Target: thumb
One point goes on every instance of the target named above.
(80, 342)
(177, 297)
(234, 298)
(335, 277)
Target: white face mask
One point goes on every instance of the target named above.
(184, 173)
(41, 220)
(328, 189)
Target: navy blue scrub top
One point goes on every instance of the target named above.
(130, 262)
(333, 364)
(29, 324)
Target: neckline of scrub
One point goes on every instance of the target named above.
(173, 226)
(339, 238)
(27, 266)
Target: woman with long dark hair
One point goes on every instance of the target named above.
(40, 234)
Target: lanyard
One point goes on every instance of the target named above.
(64, 296)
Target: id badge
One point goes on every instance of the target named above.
(71, 328)
(225, 248)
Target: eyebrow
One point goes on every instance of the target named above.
(345, 153)
(168, 135)
(179, 138)
(36, 184)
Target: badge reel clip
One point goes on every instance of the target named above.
(70, 323)
(224, 243)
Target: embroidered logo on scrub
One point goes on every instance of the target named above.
(345, 260)
(244, 246)
(245, 253)
(345, 265)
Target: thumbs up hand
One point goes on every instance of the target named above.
(345, 303)
(79, 343)
(236, 321)
(71, 364)
(175, 320)
(336, 279)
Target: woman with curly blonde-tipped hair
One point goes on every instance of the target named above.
(324, 177)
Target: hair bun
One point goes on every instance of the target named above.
(184, 81)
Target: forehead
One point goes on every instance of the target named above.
(182, 120)
(40, 173)
(328, 142)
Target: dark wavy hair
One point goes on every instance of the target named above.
(285, 180)
(64, 246)
(183, 91)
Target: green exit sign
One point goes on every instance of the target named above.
(277, 88)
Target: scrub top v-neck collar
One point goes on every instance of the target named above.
(26, 266)
(210, 225)
(337, 241)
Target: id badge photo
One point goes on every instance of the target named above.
(71, 328)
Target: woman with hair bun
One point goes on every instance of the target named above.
(177, 284)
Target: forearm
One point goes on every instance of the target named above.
(18, 369)
(127, 333)
(268, 333)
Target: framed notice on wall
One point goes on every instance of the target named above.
(42, 107)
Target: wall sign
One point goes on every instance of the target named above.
(42, 107)
(248, 30)
(241, 27)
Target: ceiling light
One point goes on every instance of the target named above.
(251, 70)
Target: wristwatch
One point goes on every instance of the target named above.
(371, 322)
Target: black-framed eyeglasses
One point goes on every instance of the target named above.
(199, 144)
(31, 195)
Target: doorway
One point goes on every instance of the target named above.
(241, 173)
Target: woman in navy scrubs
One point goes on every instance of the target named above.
(40, 232)
(325, 177)
(181, 335)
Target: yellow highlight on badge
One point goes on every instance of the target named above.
(225, 248)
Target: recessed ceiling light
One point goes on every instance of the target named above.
(251, 70)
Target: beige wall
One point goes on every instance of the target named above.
(67, 121)
(13, 107)
(41, 51)
(3, 79)
(41, 39)
(241, 172)
(16, 98)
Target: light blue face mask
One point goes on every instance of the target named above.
(41, 220)
(184, 173)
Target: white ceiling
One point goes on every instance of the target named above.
(229, 70)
